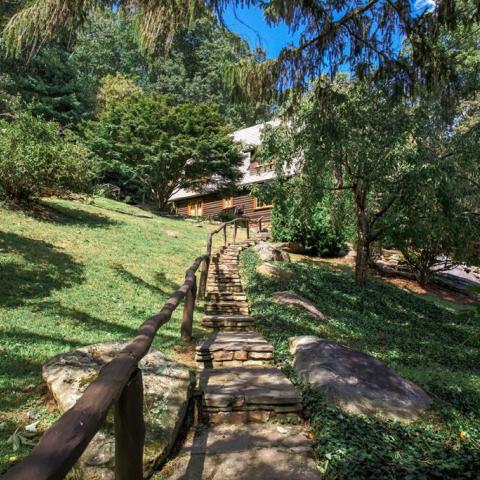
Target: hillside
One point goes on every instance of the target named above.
(421, 337)
(74, 274)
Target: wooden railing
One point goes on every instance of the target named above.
(118, 384)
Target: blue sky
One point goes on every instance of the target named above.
(250, 25)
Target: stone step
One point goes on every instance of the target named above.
(246, 452)
(220, 313)
(223, 268)
(224, 288)
(227, 349)
(226, 274)
(234, 272)
(228, 303)
(228, 322)
(248, 395)
(234, 275)
(228, 308)
(214, 278)
(227, 311)
(235, 287)
(229, 297)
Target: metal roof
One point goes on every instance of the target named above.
(248, 137)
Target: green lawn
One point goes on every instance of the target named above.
(420, 337)
(74, 274)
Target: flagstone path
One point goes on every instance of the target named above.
(250, 411)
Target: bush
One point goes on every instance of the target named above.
(298, 219)
(149, 146)
(36, 156)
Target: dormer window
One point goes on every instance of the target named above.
(259, 165)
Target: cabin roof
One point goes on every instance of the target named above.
(249, 137)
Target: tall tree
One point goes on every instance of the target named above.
(52, 86)
(192, 72)
(150, 146)
(353, 138)
(438, 226)
(361, 33)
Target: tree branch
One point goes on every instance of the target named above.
(334, 26)
(385, 209)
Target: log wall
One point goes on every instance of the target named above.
(213, 205)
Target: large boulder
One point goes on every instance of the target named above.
(270, 270)
(168, 387)
(292, 298)
(355, 381)
(269, 252)
(291, 247)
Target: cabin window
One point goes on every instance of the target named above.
(195, 208)
(259, 204)
(227, 203)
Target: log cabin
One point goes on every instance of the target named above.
(210, 203)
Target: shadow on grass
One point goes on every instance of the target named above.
(166, 288)
(381, 318)
(40, 270)
(50, 212)
(86, 322)
(25, 351)
(421, 338)
(18, 370)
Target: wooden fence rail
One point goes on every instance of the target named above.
(118, 384)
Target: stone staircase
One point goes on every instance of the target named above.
(250, 411)
(226, 305)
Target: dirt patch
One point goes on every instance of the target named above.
(347, 263)
(432, 290)
(185, 354)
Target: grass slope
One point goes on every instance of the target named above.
(421, 338)
(74, 274)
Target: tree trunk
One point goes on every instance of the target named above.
(363, 241)
(361, 261)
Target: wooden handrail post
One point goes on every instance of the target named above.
(130, 431)
(235, 228)
(202, 289)
(260, 225)
(189, 307)
(248, 228)
(225, 235)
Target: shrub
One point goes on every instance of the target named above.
(149, 147)
(36, 156)
(296, 218)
